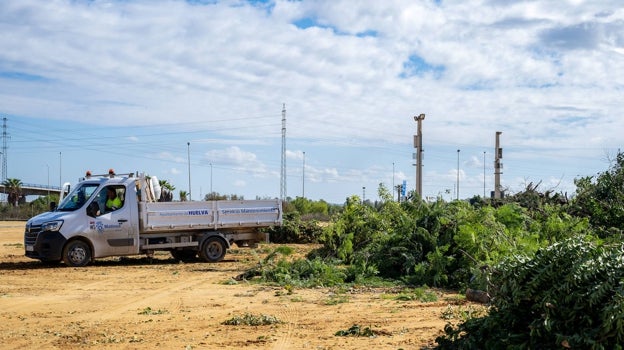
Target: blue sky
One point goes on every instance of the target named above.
(127, 84)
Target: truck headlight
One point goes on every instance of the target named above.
(52, 225)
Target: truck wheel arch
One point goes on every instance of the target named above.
(212, 247)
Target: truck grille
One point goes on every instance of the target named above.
(31, 233)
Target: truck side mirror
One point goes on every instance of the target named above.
(52, 206)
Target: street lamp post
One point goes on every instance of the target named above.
(393, 176)
(60, 171)
(457, 174)
(48, 166)
(483, 174)
(188, 154)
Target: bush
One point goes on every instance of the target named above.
(569, 295)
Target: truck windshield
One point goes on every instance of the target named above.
(78, 197)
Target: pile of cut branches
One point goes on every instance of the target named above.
(569, 295)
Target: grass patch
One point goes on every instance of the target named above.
(252, 320)
(288, 290)
(422, 294)
(149, 311)
(230, 282)
(358, 331)
(336, 299)
(247, 294)
(463, 313)
(16, 245)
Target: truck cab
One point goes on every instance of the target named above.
(83, 227)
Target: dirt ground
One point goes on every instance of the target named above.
(137, 304)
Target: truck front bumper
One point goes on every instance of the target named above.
(45, 246)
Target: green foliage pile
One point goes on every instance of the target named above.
(295, 230)
(601, 199)
(569, 295)
(441, 244)
(305, 273)
(317, 272)
(278, 268)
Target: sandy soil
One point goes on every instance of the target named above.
(137, 304)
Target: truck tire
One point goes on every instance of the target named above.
(77, 253)
(184, 255)
(213, 249)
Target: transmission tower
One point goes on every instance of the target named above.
(283, 171)
(4, 148)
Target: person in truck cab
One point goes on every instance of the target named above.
(113, 202)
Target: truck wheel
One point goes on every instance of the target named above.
(185, 255)
(77, 254)
(213, 249)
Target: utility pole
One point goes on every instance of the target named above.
(418, 155)
(498, 167)
(303, 178)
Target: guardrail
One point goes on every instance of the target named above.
(44, 187)
(34, 189)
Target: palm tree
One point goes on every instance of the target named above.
(166, 184)
(183, 195)
(13, 188)
(166, 194)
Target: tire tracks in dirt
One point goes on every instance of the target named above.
(169, 293)
(290, 314)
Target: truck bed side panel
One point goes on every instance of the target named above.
(214, 215)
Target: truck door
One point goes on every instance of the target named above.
(109, 221)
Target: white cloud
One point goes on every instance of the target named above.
(545, 73)
(296, 155)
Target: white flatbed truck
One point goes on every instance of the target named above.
(81, 229)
